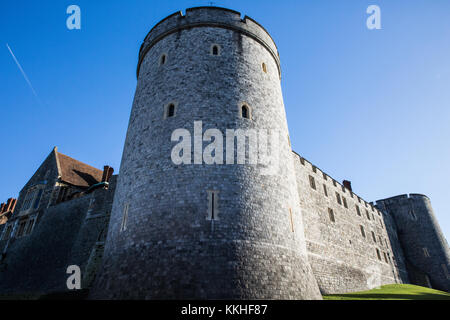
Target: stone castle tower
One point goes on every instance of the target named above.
(202, 230)
(425, 249)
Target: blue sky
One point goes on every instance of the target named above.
(370, 106)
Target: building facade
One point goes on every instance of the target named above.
(203, 223)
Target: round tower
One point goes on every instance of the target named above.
(426, 251)
(188, 222)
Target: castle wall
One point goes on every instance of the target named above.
(341, 258)
(426, 250)
(63, 235)
(168, 247)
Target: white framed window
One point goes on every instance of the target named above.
(30, 225)
(21, 228)
(213, 207)
(32, 198)
(8, 231)
(123, 225)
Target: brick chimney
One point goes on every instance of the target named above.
(10, 205)
(347, 184)
(107, 173)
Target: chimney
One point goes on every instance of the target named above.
(10, 205)
(107, 173)
(347, 184)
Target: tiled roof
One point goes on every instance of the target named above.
(77, 173)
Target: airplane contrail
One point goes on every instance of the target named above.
(24, 74)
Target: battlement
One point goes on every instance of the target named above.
(339, 186)
(401, 197)
(209, 17)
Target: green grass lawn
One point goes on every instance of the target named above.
(393, 292)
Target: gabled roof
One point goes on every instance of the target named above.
(75, 172)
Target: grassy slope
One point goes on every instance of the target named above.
(393, 292)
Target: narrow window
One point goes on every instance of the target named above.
(215, 50)
(169, 110)
(331, 215)
(28, 199)
(338, 198)
(21, 228)
(302, 161)
(324, 176)
(385, 241)
(30, 226)
(325, 190)
(62, 194)
(334, 183)
(162, 59)
(312, 182)
(245, 112)
(123, 226)
(213, 199)
(37, 199)
(264, 67)
(345, 202)
(381, 240)
(367, 214)
(8, 232)
(357, 210)
(426, 253)
(385, 257)
(363, 233)
(374, 237)
(378, 254)
(314, 169)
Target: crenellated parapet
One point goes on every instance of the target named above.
(209, 17)
(426, 250)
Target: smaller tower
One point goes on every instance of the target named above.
(426, 251)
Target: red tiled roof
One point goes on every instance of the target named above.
(78, 173)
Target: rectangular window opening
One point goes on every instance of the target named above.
(123, 226)
(213, 198)
(331, 215)
(312, 182)
(363, 233)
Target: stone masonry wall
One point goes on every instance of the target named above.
(169, 249)
(342, 259)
